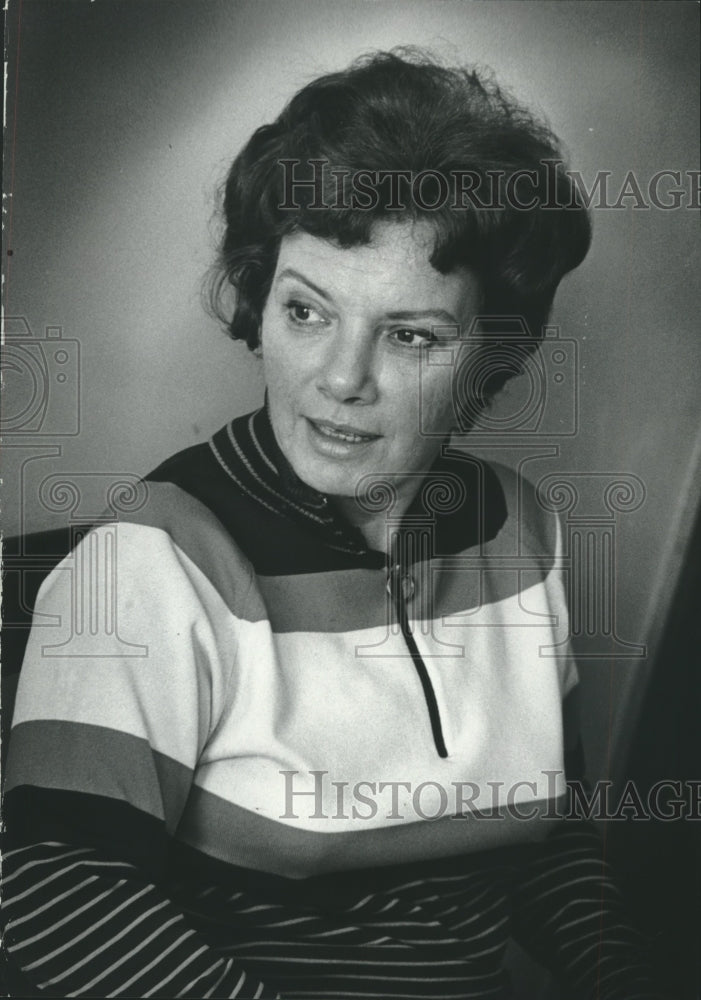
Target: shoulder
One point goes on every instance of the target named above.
(164, 537)
(528, 515)
(175, 535)
(505, 504)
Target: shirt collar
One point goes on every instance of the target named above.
(249, 453)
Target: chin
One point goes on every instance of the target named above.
(339, 484)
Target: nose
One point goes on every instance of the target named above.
(347, 371)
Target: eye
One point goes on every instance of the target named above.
(407, 337)
(302, 314)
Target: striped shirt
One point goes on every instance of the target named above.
(252, 757)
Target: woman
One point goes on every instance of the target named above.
(319, 639)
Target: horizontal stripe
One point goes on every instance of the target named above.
(328, 601)
(57, 923)
(308, 967)
(159, 669)
(300, 702)
(14, 854)
(245, 480)
(125, 957)
(85, 758)
(35, 888)
(199, 535)
(57, 898)
(225, 831)
(222, 888)
(184, 673)
(127, 836)
(349, 600)
(247, 742)
(120, 932)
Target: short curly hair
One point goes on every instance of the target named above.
(403, 112)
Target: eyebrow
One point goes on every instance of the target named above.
(442, 314)
(289, 272)
(402, 314)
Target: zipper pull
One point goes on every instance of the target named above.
(400, 583)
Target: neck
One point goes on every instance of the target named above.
(372, 524)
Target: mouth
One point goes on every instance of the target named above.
(342, 432)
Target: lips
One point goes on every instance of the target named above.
(342, 432)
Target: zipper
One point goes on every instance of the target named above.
(401, 586)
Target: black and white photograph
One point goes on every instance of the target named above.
(351, 467)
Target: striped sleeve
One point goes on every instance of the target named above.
(78, 924)
(123, 680)
(569, 914)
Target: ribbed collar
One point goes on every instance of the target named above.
(248, 452)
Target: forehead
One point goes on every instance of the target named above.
(392, 272)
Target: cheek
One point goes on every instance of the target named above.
(279, 361)
(436, 400)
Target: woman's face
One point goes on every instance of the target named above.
(343, 335)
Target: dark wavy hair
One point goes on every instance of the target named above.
(403, 111)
